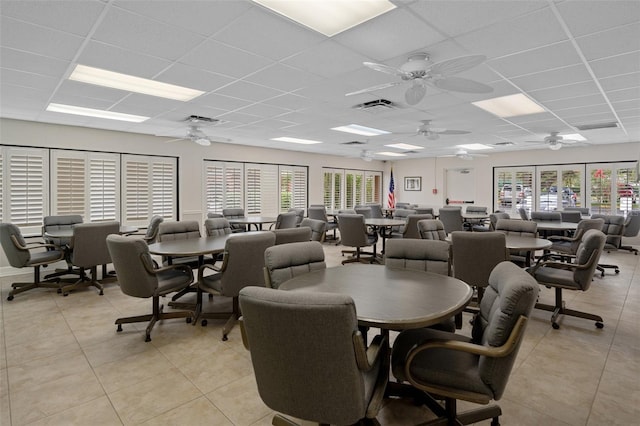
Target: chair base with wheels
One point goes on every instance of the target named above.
(601, 267)
(560, 309)
(158, 314)
(17, 288)
(85, 281)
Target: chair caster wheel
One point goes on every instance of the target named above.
(617, 271)
(599, 325)
(119, 329)
(224, 338)
(203, 323)
(555, 325)
(147, 338)
(10, 297)
(101, 293)
(59, 291)
(65, 294)
(188, 320)
(495, 422)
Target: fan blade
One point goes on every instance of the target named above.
(374, 88)
(218, 139)
(387, 69)
(415, 94)
(175, 140)
(456, 65)
(458, 84)
(453, 132)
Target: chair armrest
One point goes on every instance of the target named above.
(560, 238)
(243, 332)
(489, 351)
(366, 357)
(207, 266)
(152, 267)
(31, 246)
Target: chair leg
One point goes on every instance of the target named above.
(157, 315)
(630, 249)
(602, 267)
(85, 281)
(560, 309)
(231, 320)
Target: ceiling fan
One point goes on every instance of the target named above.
(555, 141)
(464, 155)
(434, 133)
(195, 133)
(419, 71)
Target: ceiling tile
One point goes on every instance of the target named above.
(32, 63)
(327, 59)
(616, 65)
(248, 91)
(112, 58)
(219, 58)
(283, 77)
(624, 94)
(27, 79)
(563, 92)
(583, 20)
(34, 39)
(194, 78)
(578, 101)
(215, 100)
(536, 60)
(553, 78)
(625, 81)
(619, 40)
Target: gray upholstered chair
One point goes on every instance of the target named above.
(235, 213)
(309, 359)
(568, 246)
(571, 276)
(451, 218)
(353, 233)
(400, 214)
(613, 228)
(454, 367)
(524, 214)
(285, 221)
(317, 228)
(212, 215)
(299, 214)
(60, 223)
(376, 210)
(521, 228)
(242, 266)
(573, 216)
(138, 276)
(583, 210)
(493, 219)
(476, 224)
(631, 229)
(320, 213)
(152, 230)
(89, 250)
(544, 216)
(474, 255)
(402, 205)
(292, 235)
(431, 229)
(180, 230)
(364, 211)
(411, 228)
(217, 226)
(424, 210)
(285, 261)
(32, 255)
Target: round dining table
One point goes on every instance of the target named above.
(68, 232)
(389, 299)
(256, 221)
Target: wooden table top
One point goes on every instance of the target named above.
(252, 220)
(190, 247)
(391, 299)
(557, 226)
(68, 233)
(382, 221)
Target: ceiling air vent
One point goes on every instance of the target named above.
(505, 143)
(374, 107)
(596, 126)
(199, 119)
(354, 143)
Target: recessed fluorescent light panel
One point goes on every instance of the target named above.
(116, 80)
(99, 113)
(510, 106)
(391, 154)
(328, 17)
(404, 146)
(573, 137)
(360, 130)
(475, 146)
(295, 140)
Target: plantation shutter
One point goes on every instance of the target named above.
(27, 186)
(104, 187)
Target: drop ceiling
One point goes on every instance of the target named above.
(265, 76)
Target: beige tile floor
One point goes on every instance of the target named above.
(62, 363)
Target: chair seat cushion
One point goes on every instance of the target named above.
(556, 277)
(438, 367)
(172, 280)
(43, 257)
(211, 283)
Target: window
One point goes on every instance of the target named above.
(349, 188)
(514, 189)
(613, 188)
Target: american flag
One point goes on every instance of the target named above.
(391, 199)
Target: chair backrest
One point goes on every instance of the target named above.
(299, 214)
(524, 215)
(17, 257)
(423, 255)
(493, 219)
(511, 293)
(152, 230)
(411, 228)
(302, 350)
(571, 216)
(632, 224)
(233, 213)
(318, 228)
(451, 218)
(376, 210)
(89, 243)
(583, 226)
(243, 262)
(364, 211)
(347, 211)
(401, 214)
(353, 232)
(546, 216)
(286, 220)
(211, 215)
(431, 229)
(524, 228)
(318, 213)
(476, 210)
(587, 256)
(217, 226)
(292, 235)
(285, 261)
(613, 228)
(583, 210)
(424, 210)
(133, 264)
(56, 223)
(178, 230)
(475, 254)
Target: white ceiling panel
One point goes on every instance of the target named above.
(265, 75)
